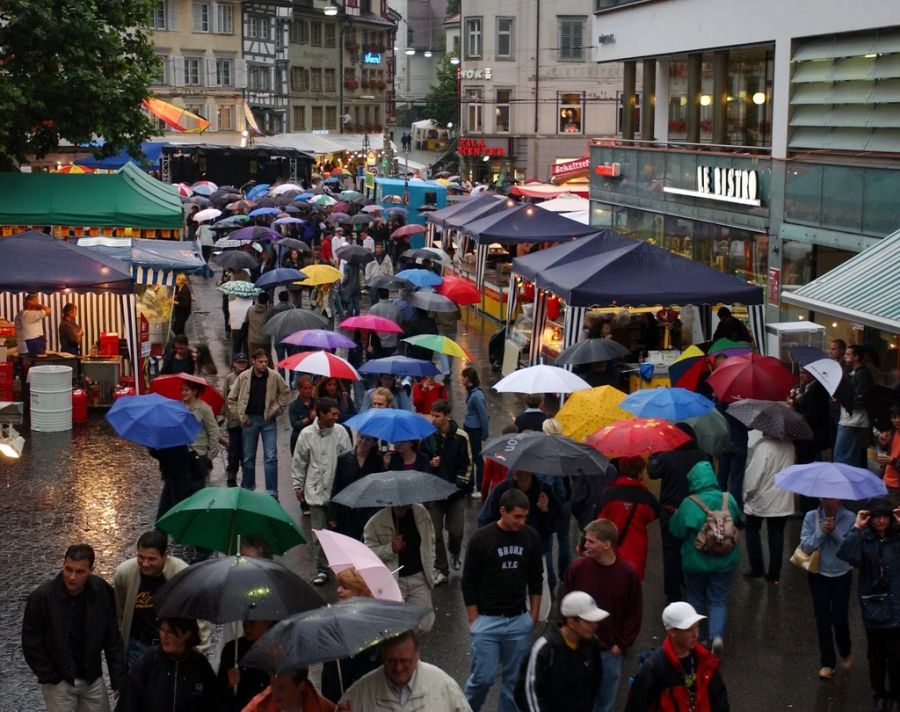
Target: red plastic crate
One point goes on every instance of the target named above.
(6, 374)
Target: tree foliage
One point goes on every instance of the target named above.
(440, 102)
(74, 70)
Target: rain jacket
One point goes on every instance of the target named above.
(277, 395)
(381, 529)
(624, 496)
(689, 519)
(877, 560)
(762, 498)
(433, 690)
(315, 461)
(156, 682)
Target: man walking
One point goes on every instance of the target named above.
(853, 426)
(69, 621)
(501, 585)
(258, 397)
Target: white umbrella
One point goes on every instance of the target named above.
(284, 188)
(827, 372)
(207, 214)
(541, 379)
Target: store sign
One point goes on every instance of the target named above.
(372, 58)
(569, 169)
(774, 279)
(608, 170)
(486, 73)
(729, 185)
(477, 147)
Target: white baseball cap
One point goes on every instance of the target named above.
(680, 615)
(578, 604)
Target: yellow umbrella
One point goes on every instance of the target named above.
(319, 274)
(585, 412)
(441, 181)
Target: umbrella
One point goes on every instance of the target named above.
(826, 371)
(396, 211)
(319, 339)
(305, 196)
(284, 188)
(385, 281)
(833, 480)
(320, 363)
(344, 552)
(408, 230)
(361, 219)
(169, 386)
(291, 221)
(420, 277)
(235, 260)
(322, 201)
(265, 202)
(215, 517)
(338, 217)
(355, 254)
(440, 344)
(206, 214)
(391, 424)
(291, 320)
(772, 418)
(586, 411)
(258, 191)
(338, 172)
(291, 209)
(291, 243)
(204, 187)
(729, 348)
(341, 206)
(371, 209)
(153, 421)
(752, 376)
(184, 190)
(667, 403)
(435, 254)
(235, 588)
(394, 488)
(592, 351)
(459, 290)
(636, 437)
(280, 275)
(239, 288)
(334, 632)
(261, 212)
(545, 454)
(806, 354)
(373, 323)
(351, 195)
(712, 431)
(392, 200)
(541, 379)
(255, 233)
(198, 200)
(400, 366)
(685, 371)
(433, 302)
(317, 275)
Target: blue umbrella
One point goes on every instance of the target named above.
(667, 403)
(258, 191)
(831, 479)
(260, 212)
(290, 209)
(304, 196)
(332, 180)
(281, 275)
(289, 221)
(420, 277)
(153, 421)
(806, 354)
(400, 366)
(391, 424)
(255, 233)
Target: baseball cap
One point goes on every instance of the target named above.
(680, 615)
(578, 604)
(239, 357)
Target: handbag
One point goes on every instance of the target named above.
(807, 562)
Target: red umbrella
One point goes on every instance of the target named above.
(371, 322)
(408, 230)
(170, 387)
(321, 363)
(751, 376)
(459, 290)
(637, 437)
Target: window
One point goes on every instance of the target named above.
(200, 17)
(158, 15)
(299, 79)
(264, 28)
(330, 117)
(501, 120)
(225, 117)
(474, 110)
(299, 118)
(192, 71)
(279, 35)
(259, 78)
(224, 72)
(329, 80)
(571, 112)
(571, 39)
(299, 32)
(505, 37)
(473, 37)
(162, 67)
(315, 34)
(317, 118)
(225, 19)
(315, 79)
(330, 36)
(252, 27)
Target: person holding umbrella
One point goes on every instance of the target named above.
(352, 466)
(290, 691)
(249, 682)
(206, 445)
(890, 459)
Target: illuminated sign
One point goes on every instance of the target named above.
(486, 73)
(477, 147)
(729, 185)
(372, 58)
(609, 170)
(567, 169)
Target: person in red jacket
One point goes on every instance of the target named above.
(629, 505)
(682, 675)
(425, 392)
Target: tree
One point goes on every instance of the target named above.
(74, 70)
(441, 100)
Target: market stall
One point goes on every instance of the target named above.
(415, 193)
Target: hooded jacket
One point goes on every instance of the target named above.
(878, 561)
(672, 468)
(315, 460)
(690, 518)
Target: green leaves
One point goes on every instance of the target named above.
(441, 102)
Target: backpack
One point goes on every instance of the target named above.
(718, 535)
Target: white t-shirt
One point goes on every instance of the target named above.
(29, 325)
(237, 311)
(369, 242)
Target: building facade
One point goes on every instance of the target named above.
(419, 48)
(266, 27)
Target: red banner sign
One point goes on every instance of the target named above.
(610, 170)
(477, 147)
(569, 169)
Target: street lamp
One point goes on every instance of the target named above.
(454, 61)
(331, 10)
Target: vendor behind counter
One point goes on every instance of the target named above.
(30, 326)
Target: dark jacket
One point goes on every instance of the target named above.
(543, 522)
(878, 561)
(352, 521)
(672, 468)
(530, 420)
(156, 683)
(298, 413)
(658, 685)
(44, 641)
(454, 452)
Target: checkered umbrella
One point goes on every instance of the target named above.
(773, 418)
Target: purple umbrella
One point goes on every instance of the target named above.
(319, 338)
(255, 233)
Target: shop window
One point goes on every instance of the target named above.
(505, 37)
(797, 259)
(299, 116)
(802, 193)
(474, 110)
(571, 112)
(749, 101)
(501, 120)
(473, 38)
(571, 39)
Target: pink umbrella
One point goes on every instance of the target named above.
(371, 209)
(320, 339)
(184, 190)
(320, 363)
(409, 230)
(371, 322)
(344, 552)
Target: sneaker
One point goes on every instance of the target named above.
(476, 495)
(846, 663)
(320, 579)
(718, 645)
(454, 562)
(826, 673)
(439, 578)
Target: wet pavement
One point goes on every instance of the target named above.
(87, 485)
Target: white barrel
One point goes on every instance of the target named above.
(51, 398)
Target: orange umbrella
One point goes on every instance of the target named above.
(175, 117)
(73, 169)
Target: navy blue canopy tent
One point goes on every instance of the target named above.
(150, 149)
(530, 266)
(464, 207)
(151, 261)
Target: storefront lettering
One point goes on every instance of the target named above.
(569, 168)
(477, 147)
(729, 185)
(486, 73)
(609, 170)
(372, 58)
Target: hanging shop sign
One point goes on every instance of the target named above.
(774, 283)
(372, 58)
(570, 169)
(486, 73)
(728, 185)
(477, 147)
(608, 170)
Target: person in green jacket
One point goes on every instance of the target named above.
(707, 577)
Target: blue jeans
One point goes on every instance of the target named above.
(609, 683)
(564, 546)
(497, 640)
(708, 594)
(847, 446)
(351, 304)
(270, 453)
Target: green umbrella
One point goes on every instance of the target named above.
(215, 517)
(713, 434)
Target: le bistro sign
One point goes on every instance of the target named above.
(728, 185)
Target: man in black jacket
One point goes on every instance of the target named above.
(69, 620)
(450, 456)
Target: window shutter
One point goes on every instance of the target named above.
(210, 63)
(240, 73)
(177, 79)
(171, 15)
(565, 39)
(213, 117)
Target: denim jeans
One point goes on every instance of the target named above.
(609, 683)
(564, 546)
(708, 594)
(831, 603)
(847, 446)
(269, 431)
(82, 696)
(497, 640)
(475, 444)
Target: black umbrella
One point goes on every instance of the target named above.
(433, 302)
(545, 454)
(291, 243)
(334, 632)
(878, 401)
(388, 282)
(291, 320)
(229, 188)
(266, 203)
(773, 418)
(395, 488)
(591, 351)
(235, 588)
(355, 254)
(235, 259)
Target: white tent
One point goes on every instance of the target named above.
(566, 203)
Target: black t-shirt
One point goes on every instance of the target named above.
(411, 556)
(256, 402)
(143, 621)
